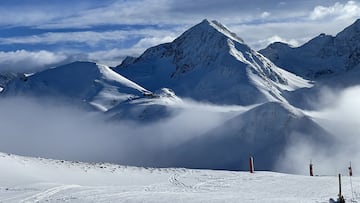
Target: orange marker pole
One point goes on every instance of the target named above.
(350, 170)
(251, 164)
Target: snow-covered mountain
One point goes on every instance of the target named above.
(206, 63)
(5, 78)
(95, 87)
(210, 63)
(332, 62)
(90, 83)
(263, 132)
(323, 56)
(160, 105)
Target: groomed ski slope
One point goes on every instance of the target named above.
(25, 179)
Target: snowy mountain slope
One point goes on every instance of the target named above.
(161, 105)
(263, 131)
(5, 78)
(84, 82)
(210, 63)
(321, 57)
(314, 98)
(25, 179)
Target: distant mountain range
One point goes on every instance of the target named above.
(323, 56)
(329, 61)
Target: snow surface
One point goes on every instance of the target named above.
(25, 179)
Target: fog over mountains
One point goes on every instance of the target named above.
(205, 100)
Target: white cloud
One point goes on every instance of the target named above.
(22, 60)
(11, 18)
(277, 38)
(93, 38)
(152, 41)
(296, 27)
(349, 9)
(113, 57)
(56, 129)
(288, 24)
(109, 54)
(167, 12)
(88, 37)
(30, 13)
(123, 12)
(295, 32)
(265, 14)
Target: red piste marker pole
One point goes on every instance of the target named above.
(350, 170)
(311, 169)
(251, 164)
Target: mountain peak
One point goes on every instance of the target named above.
(356, 23)
(350, 32)
(210, 63)
(279, 45)
(205, 21)
(207, 25)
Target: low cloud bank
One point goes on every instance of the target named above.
(29, 61)
(341, 118)
(53, 130)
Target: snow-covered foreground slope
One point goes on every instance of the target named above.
(39, 180)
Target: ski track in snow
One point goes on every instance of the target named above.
(41, 180)
(47, 194)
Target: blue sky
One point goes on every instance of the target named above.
(38, 34)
